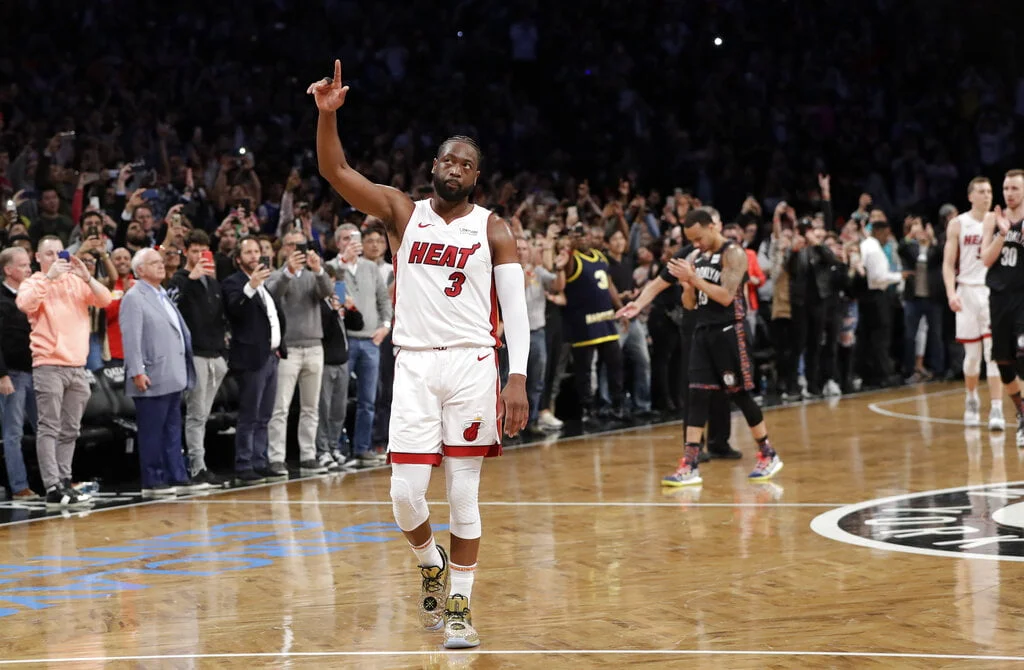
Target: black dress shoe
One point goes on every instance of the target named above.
(248, 478)
(728, 453)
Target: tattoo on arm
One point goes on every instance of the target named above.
(734, 267)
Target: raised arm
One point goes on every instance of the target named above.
(950, 254)
(388, 204)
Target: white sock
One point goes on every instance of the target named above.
(461, 579)
(428, 554)
(973, 395)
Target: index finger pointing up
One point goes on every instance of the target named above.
(337, 71)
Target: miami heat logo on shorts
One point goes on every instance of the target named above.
(471, 429)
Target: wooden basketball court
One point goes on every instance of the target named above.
(586, 561)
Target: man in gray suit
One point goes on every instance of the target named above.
(158, 367)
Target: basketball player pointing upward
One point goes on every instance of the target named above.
(968, 296)
(453, 260)
(1002, 250)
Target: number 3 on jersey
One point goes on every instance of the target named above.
(457, 279)
(1008, 257)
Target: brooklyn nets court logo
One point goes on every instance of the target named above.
(984, 521)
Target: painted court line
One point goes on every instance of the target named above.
(555, 439)
(501, 503)
(876, 407)
(520, 652)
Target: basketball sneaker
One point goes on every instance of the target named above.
(1020, 431)
(767, 467)
(434, 593)
(995, 418)
(686, 474)
(972, 411)
(458, 624)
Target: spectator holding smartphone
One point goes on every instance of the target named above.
(369, 291)
(300, 286)
(197, 293)
(57, 300)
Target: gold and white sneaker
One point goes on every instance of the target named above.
(434, 593)
(458, 624)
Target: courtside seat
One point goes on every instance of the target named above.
(98, 417)
(224, 413)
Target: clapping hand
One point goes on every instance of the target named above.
(1002, 222)
(681, 270)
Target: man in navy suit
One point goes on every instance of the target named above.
(257, 344)
(158, 368)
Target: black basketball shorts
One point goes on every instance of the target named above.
(720, 359)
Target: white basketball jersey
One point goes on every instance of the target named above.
(444, 285)
(972, 269)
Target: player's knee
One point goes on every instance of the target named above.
(463, 498)
(972, 359)
(751, 412)
(699, 406)
(1007, 372)
(409, 495)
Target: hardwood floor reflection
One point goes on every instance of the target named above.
(583, 551)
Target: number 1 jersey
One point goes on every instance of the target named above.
(444, 282)
(1007, 273)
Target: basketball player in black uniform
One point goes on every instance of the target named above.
(712, 278)
(589, 321)
(1002, 251)
(719, 420)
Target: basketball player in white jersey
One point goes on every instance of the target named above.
(454, 262)
(968, 297)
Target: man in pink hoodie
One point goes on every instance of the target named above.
(57, 300)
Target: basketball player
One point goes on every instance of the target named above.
(719, 420)
(713, 278)
(454, 263)
(968, 298)
(1002, 251)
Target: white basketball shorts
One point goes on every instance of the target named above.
(445, 403)
(973, 321)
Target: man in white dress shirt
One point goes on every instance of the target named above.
(876, 308)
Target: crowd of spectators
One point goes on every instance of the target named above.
(800, 125)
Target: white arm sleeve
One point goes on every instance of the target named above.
(510, 282)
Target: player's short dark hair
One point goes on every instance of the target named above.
(197, 237)
(697, 217)
(465, 139)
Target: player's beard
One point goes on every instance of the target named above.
(445, 192)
